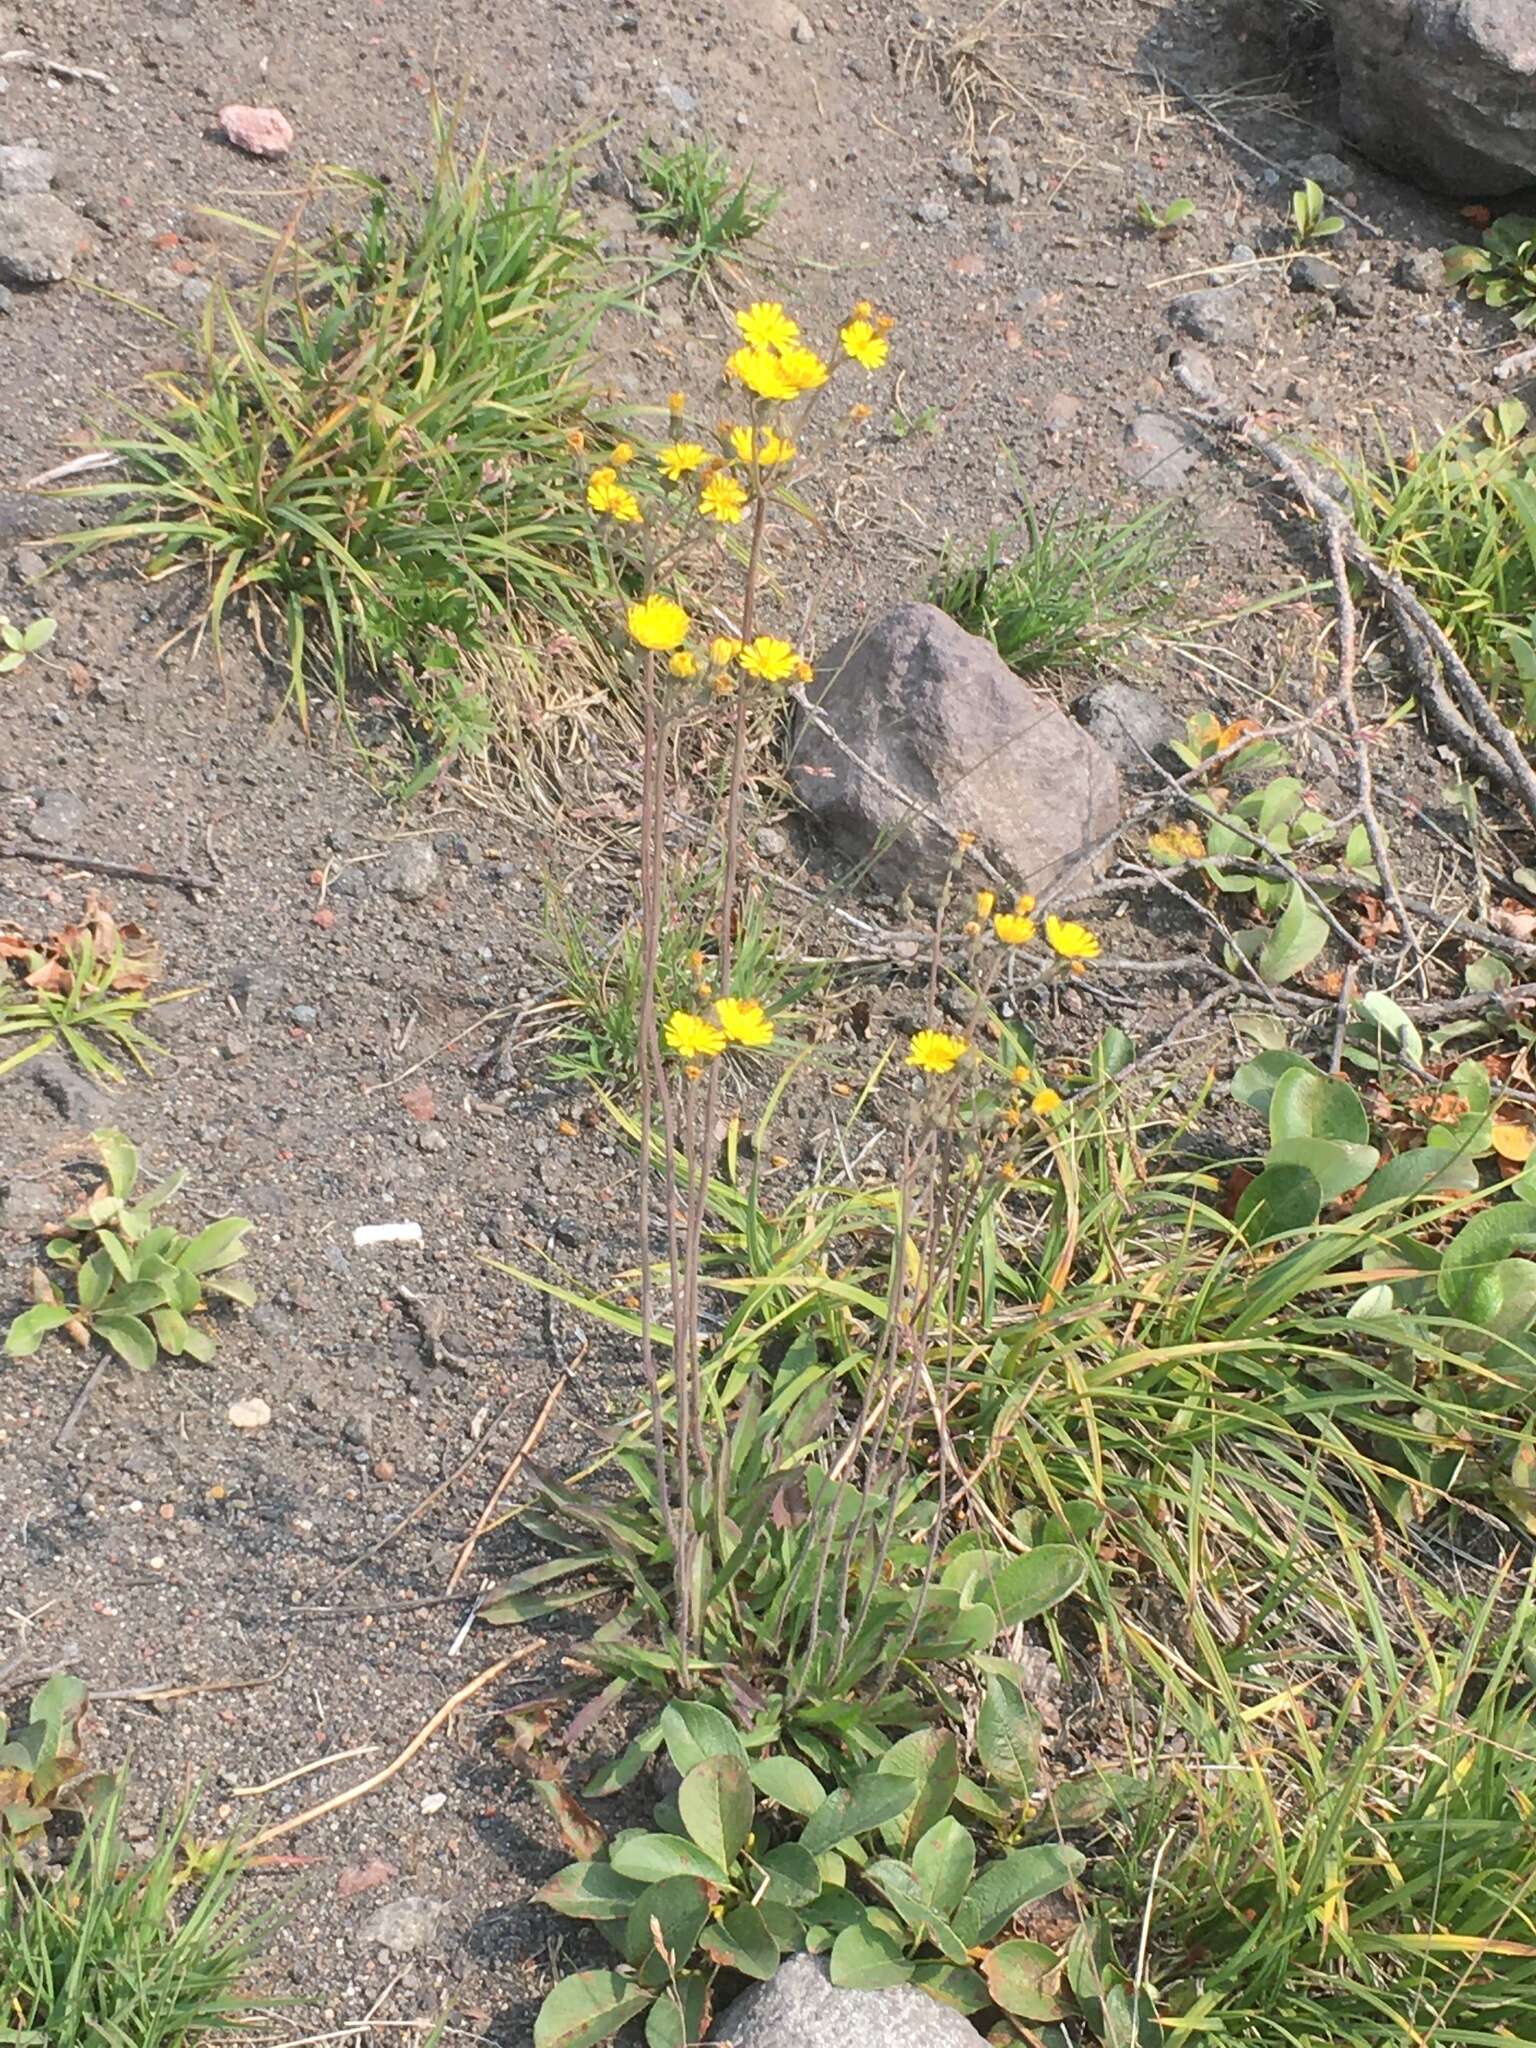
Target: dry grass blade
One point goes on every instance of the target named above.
(973, 69)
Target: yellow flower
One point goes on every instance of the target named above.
(1020, 1075)
(1013, 930)
(762, 372)
(986, 902)
(804, 673)
(1046, 1102)
(861, 342)
(676, 403)
(723, 499)
(803, 368)
(861, 412)
(936, 1052)
(1023, 905)
(683, 663)
(1071, 941)
(767, 325)
(743, 1023)
(606, 494)
(775, 661)
(723, 650)
(623, 453)
(575, 440)
(658, 623)
(693, 1038)
(679, 457)
(1177, 843)
(771, 447)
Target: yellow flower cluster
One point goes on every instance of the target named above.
(606, 495)
(1074, 943)
(733, 1021)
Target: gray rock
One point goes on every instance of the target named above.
(1357, 298)
(1316, 274)
(1441, 91)
(1213, 316)
(1128, 723)
(771, 843)
(1194, 370)
(800, 2007)
(403, 1925)
(25, 170)
(7, 298)
(59, 819)
(676, 96)
(1420, 270)
(1327, 170)
(305, 1015)
(1158, 453)
(958, 166)
(79, 1101)
(1242, 252)
(28, 566)
(1005, 185)
(410, 871)
(431, 1140)
(800, 30)
(40, 237)
(931, 212)
(927, 734)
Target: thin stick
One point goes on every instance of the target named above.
(321, 1763)
(82, 1401)
(515, 1465)
(458, 1038)
(34, 61)
(1341, 1020)
(1348, 642)
(120, 871)
(418, 1742)
(144, 1694)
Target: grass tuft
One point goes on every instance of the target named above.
(702, 204)
(380, 455)
(1057, 590)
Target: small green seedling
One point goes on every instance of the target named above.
(1503, 271)
(1310, 219)
(1169, 219)
(17, 642)
(700, 202)
(42, 1772)
(136, 1282)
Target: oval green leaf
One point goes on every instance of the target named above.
(856, 1809)
(587, 2008)
(715, 1802)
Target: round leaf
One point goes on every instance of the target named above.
(693, 1731)
(673, 1912)
(1307, 1104)
(1335, 1165)
(1277, 1203)
(788, 1783)
(1475, 1251)
(1022, 1978)
(866, 1956)
(650, 1858)
(871, 1798)
(587, 2008)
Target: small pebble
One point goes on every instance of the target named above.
(305, 1015)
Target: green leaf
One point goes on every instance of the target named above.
(133, 1341)
(788, 1783)
(1255, 1081)
(794, 1876)
(1307, 1104)
(1028, 1586)
(589, 1891)
(623, 1769)
(867, 1956)
(679, 1909)
(856, 1809)
(1468, 1277)
(1016, 1880)
(898, 1886)
(1277, 1203)
(1386, 1030)
(1008, 1737)
(1417, 1173)
(1297, 939)
(715, 1802)
(587, 2008)
(930, 1758)
(741, 1941)
(95, 1277)
(650, 1858)
(693, 1731)
(1336, 1167)
(1022, 1977)
(668, 2027)
(945, 1862)
(120, 1160)
(117, 1254)
(218, 1245)
(1083, 1802)
(964, 1990)
(32, 1326)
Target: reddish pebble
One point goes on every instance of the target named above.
(325, 919)
(383, 1468)
(259, 131)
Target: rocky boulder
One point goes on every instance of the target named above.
(1441, 91)
(921, 732)
(800, 2007)
(39, 239)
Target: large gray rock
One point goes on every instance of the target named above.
(932, 735)
(799, 2007)
(40, 237)
(1441, 91)
(25, 168)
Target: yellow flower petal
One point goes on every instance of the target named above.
(936, 1052)
(1071, 941)
(773, 661)
(766, 325)
(723, 499)
(743, 1022)
(692, 1037)
(658, 623)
